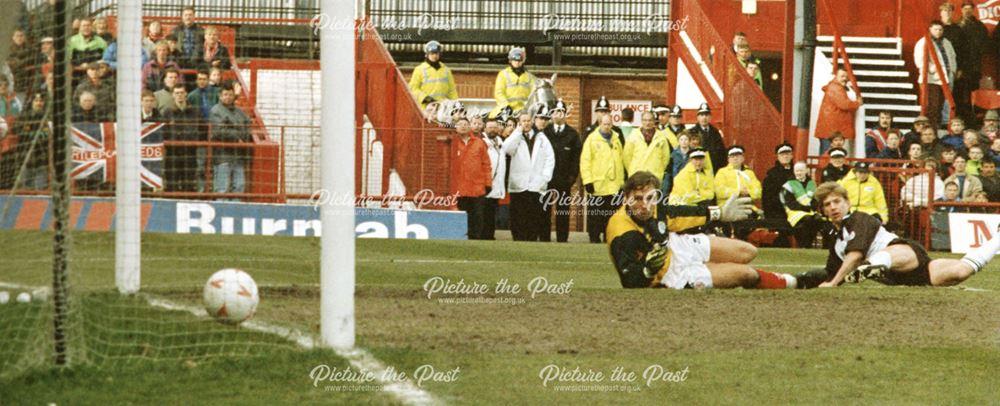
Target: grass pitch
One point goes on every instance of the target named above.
(866, 343)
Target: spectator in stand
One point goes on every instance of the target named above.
(946, 161)
(836, 112)
(86, 46)
(498, 173)
(837, 140)
(975, 39)
(975, 160)
(8, 160)
(165, 96)
(955, 134)
(837, 168)
(711, 139)
(189, 34)
(695, 184)
(916, 191)
(891, 150)
(914, 153)
(20, 58)
(103, 89)
(950, 195)
(744, 57)
(148, 110)
(678, 158)
(212, 53)
(990, 180)
(154, 34)
(476, 124)
(10, 105)
(88, 110)
(205, 95)
(231, 125)
(111, 55)
(990, 125)
(603, 174)
(781, 172)
(929, 142)
(514, 84)
(740, 39)
(432, 81)
(798, 202)
(215, 77)
(471, 178)
(566, 146)
(913, 136)
(865, 192)
(980, 197)
(971, 138)
(173, 52)
(153, 71)
(946, 56)
(185, 124)
(753, 69)
(967, 183)
(101, 29)
(33, 131)
(532, 162)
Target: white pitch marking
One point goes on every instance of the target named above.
(404, 391)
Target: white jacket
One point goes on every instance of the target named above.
(916, 190)
(529, 172)
(498, 164)
(932, 74)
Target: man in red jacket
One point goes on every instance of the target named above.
(471, 175)
(836, 113)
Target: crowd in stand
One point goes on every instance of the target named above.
(182, 86)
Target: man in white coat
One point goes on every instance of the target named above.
(498, 164)
(946, 56)
(531, 166)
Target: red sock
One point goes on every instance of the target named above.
(770, 280)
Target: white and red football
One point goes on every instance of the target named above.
(231, 296)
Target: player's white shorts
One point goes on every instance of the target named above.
(689, 253)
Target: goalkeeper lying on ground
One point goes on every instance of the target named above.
(649, 253)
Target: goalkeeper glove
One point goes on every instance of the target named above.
(735, 209)
(655, 259)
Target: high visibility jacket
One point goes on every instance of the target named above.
(426, 81)
(513, 90)
(797, 197)
(671, 136)
(601, 164)
(728, 182)
(866, 197)
(692, 187)
(640, 156)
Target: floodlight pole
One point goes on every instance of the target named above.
(129, 128)
(337, 133)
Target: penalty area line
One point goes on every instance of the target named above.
(403, 390)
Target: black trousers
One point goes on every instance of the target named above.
(526, 216)
(490, 219)
(964, 87)
(599, 210)
(557, 200)
(805, 231)
(473, 208)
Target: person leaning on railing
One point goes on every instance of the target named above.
(232, 125)
(180, 162)
(916, 191)
(990, 180)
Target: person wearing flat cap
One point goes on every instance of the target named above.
(865, 192)
(711, 137)
(837, 169)
(913, 136)
(780, 173)
(694, 185)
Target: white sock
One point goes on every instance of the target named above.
(881, 258)
(981, 256)
(790, 281)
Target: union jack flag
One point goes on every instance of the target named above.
(94, 155)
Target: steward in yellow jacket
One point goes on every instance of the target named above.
(647, 149)
(736, 179)
(432, 81)
(694, 185)
(865, 192)
(514, 84)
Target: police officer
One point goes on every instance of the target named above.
(432, 81)
(674, 125)
(602, 109)
(711, 137)
(514, 84)
(566, 144)
(661, 112)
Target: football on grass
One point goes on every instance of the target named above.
(231, 296)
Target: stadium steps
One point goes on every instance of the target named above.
(882, 76)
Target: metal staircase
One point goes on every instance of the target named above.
(882, 76)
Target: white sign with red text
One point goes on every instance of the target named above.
(970, 231)
(989, 12)
(638, 106)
